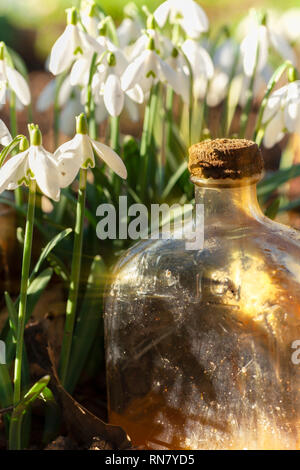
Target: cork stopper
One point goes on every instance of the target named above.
(225, 158)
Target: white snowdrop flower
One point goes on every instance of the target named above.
(107, 82)
(72, 42)
(47, 96)
(163, 46)
(12, 80)
(224, 60)
(34, 163)
(90, 19)
(130, 106)
(282, 113)
(187, 13)
(128, 31)
(288, 24)
(201, 64)
(70, 110)
(259, 40)
(5, 136)
(79, 153)
(148, 69)
(182, 85)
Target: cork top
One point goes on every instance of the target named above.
(225, 158)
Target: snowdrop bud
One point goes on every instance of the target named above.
(36, 137)
(24, 144)
(81, 124)
(111, 59)
(292, 74)
(72, 16)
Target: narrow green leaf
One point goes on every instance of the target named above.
(87, 322)
(48, 248)
(20, 410)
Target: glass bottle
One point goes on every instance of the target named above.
(202, 348)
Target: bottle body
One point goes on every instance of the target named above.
(200, 343)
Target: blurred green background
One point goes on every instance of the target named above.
(31, 26)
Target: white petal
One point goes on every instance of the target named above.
(134, 72)
(62, 53)
(68, 158)
(47, 97)
(177, 80)
(100, 112)
(12, 172)
(110, 158)
(257, 38)
(217, 90)
(132, 109)
(283, 48)
(273, 104)
(19, 85)
(136, 94)
(292, 116)
(274, 131)
(161, 13)
(65, 92)
(5, 136)
(45, 171)
(67, 116)
(113, 95)
(80, 72)
(194, 21)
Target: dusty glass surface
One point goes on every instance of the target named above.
(199, 343)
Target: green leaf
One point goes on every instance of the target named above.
(271, 183)
(174, 179)
(12, 314)
(6, 388)
(87, 323)
(48, 248)
(272, 209)
(21, 409)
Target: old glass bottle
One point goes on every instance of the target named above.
(202, 345)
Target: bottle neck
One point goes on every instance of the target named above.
(228, 203)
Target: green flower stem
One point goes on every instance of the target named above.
(146, 138)
(115, 133)
(260, 128)
(23, 293)
(90, 105)
(14, 132)
(75, 278)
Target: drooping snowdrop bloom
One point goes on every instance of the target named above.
(201, 64)
(108, 84)
(72, 42)
(79, 153)
(161, 44)
(47, 96)
(90, 19)
(131, 27)
(224, 61)
(282, 113)
(5, 136)
(12, 80)
(187, 13)
(147, 70)
(182, 85)
(33, 163)
(128, 31)
(288, 24)
(255, 48)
